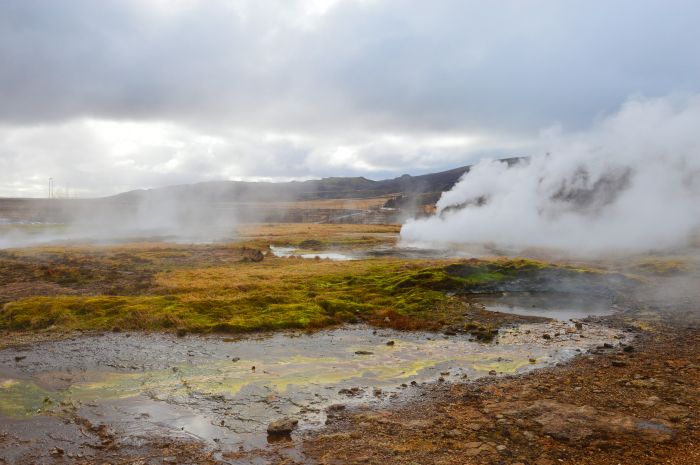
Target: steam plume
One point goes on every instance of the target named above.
(630, 183)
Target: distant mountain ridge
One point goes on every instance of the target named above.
(318, 189)
(327, 200)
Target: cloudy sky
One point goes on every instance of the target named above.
(110, 95)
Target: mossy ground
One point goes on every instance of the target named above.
(208, 288)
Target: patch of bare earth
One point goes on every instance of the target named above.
(640, 405)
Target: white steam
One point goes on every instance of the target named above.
(630, 184)
(156, 216)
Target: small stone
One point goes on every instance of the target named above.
(282, 427)
(532, 360)
(390, 343)
(618, 363)
(19, 358)
(546, 336)
(363, 352)
(56, 451)
(351, 391)
(501, 448)
(235, 359)
(493, 373)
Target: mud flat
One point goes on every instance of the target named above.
(223, 393)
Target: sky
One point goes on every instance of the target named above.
(106, 96)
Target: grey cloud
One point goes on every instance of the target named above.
(416, 64)
(338, 83)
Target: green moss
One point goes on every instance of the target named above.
(277, 294)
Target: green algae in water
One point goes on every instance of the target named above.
(386, 367)
(21, 398)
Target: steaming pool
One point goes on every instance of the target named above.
(224, 392)
(557, 306)
(285, 252)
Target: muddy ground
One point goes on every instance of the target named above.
(635, 403)
(612, 407)
(633, 398)
(630, 404)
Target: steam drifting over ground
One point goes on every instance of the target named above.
(631, 183)
(157, 216)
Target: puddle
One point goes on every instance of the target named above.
(558, 306)
(293, 252)
(206, 388)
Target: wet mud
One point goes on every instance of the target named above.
(222, 393)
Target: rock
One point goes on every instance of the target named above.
(363, 352)
(251, 255)
(618, 363)
(532, 360)
(20, 358)
(56, 451)
(546, 336)
(474, 426)
(335, 408)
(351, 391)
(628, 349)
(390, 343)
(493, 373)
(649, 401)
(578, 325)
(674, 413)
(282, 427)
(579, 424)
(501, 448)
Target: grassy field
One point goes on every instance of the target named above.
(224, 288)
(321, 236)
